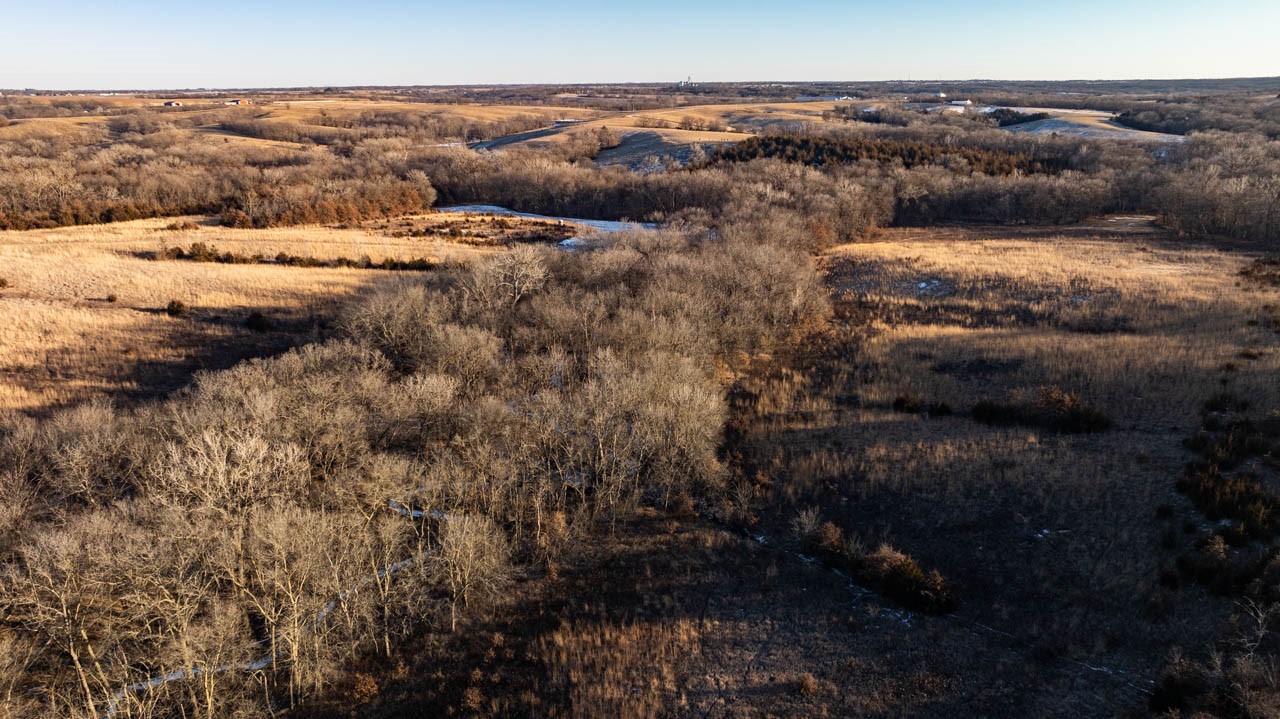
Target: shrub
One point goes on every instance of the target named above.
(806, 523)
(1066, 412)
(1241, 497)
(1235, 685)
(940, 409)
(1180, 684)
(989, 412)
(236, 218)
(907, 402)
(1053, 409)
(175, 308)
(258, 322)
(892, 573)
(901, 579)
(1238, 441)
(112, 297)
(1264, 271)
(3, 283)
(1225, 402)
(830, 538)
(808, 684)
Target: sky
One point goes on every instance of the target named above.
(148, 44)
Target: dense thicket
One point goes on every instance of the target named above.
(819, 151)
(1181, 116)
(1005, 117)
(283, 519)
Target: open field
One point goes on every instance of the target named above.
(1086, 123)
(1055, 540)
(64, 341)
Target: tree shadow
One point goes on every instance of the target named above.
(678, 617)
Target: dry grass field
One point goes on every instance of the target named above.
(85, 307)
(1057, 542)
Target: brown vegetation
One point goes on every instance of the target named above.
(594, 482)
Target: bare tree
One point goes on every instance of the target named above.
(472, 560)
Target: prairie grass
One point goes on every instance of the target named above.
(631, 671)
(1051, 536)
(1141, 333)
(65, 339)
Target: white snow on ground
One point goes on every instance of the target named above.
(1064, 126)
(931, 287)
(600, 225)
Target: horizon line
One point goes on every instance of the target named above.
(322, 86)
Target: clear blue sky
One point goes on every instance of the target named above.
(78, 44)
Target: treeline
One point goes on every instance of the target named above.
(200, 252)
(13, 109)
(1004, 117)
(819, 151)
(439, 125)
(1224, 184)
(241, 548)
(69, 180)
(1181, 116)
(349, 130)
(843, 202)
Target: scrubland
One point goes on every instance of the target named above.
(904, 416)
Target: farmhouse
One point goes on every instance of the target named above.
(236, 102)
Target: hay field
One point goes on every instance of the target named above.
(63, 341)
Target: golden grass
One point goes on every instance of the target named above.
(1122, 324)
(809, 111)
(631, 671)
(1051, 537)
(62, 342)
